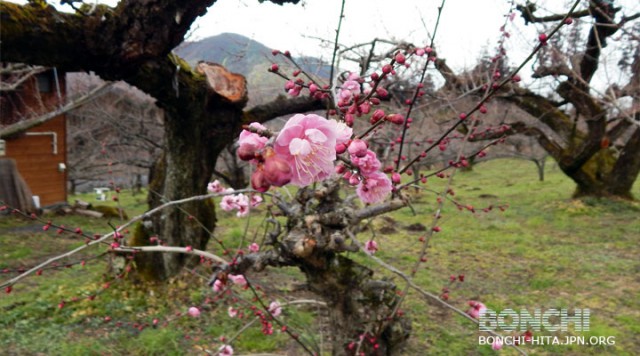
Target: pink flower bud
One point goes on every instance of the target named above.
(400, 58)
(364, 108)
(341, 148)
(340, 169)
(543, 38)
(274, 67)
(246, 152)
(194, 312)
(348, 119)
(378, 115)
(387, 68)
(276, 170)
(358, 148)
(313, 88)
(375, 76)
(395, 118)
(382, 92)
(259, 182)
(354, 180)
(395, 178)
(289, 85)
(420, 52)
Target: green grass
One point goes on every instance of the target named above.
(544, 251)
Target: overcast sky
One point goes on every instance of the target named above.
(466, 27)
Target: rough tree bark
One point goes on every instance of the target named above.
(133, 42)
(601, 154)
(320, 226)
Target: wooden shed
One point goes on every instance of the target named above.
(39, 152)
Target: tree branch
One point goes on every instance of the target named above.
(282, 106)
(24, 125)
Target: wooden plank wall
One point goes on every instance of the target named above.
(34, 156)
(38, 165)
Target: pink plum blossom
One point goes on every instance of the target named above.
(233, 312)
(194, 312)
(358, 148)
(225, 350)
(227, 203)
(256, 200)
(254, 247)
(307, 143)
(275, 309)
(238, 279)
(371, 247)
(259, 181)
(497, 344)
(277, 170)
(348, 90)
(218, 286)
(367, 164)
(476, 309)
(242, 204)
(343, 132)
(354, 76)
(215, 187)
(374, 188)
(238, 202)
(250, 142)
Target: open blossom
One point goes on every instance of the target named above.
(242, 204)
(348, 90)
(254, 247)
(233, 312)
(275, 309)
(228, 201)
(374, 188)
(255, 200)
(250, 142)
(307, 143)
(343, 132)
(225, 350)
(476, 309)
(238, 202)
(367, 164)
(215, 187)
(371, 247)
(194, 312)
(238, 279)
(218, 286)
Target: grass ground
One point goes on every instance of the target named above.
(544, 251)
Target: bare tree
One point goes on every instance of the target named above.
(594, 136)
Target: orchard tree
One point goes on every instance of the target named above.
(203, 109)
(593, 133)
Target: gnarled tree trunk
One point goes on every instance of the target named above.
(203, 110)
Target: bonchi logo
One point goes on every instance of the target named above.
(549, 320)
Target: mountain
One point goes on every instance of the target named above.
(236, 52)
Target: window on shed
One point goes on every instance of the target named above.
(44, 82)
